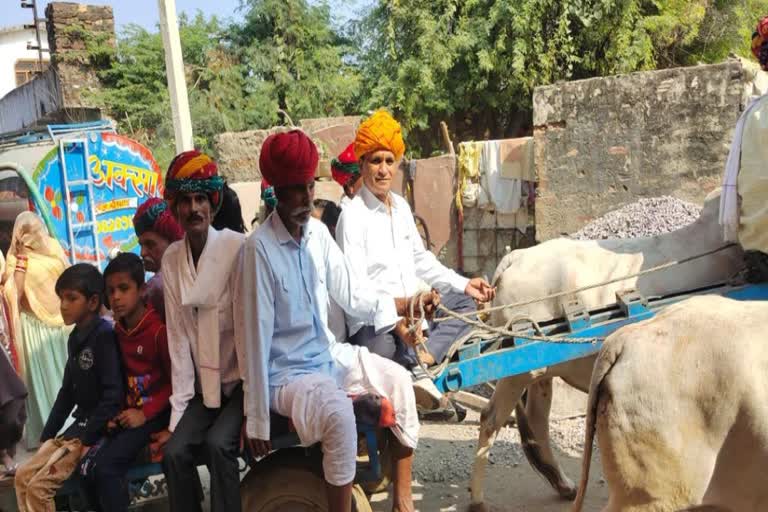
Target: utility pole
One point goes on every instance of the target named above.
(32, 4)
(174, 69)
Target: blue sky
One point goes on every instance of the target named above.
(145, 12)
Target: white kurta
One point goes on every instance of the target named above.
(386, 250)
(184, 309)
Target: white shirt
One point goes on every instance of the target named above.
(283, 297)
(182, 327)
(388, 250)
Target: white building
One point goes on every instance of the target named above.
(17, 64)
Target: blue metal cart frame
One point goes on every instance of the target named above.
(576, 336)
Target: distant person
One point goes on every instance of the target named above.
(230, 215)
(13, 413)
(91, 390)
(268, 198)
(328, 213)
(35, 262)
(156, 228)
(345, 170)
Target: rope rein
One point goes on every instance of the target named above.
(664, 266)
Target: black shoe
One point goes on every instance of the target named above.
(442, 415)
(448, 411)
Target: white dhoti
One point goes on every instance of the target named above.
(363, 372)
(321, 410)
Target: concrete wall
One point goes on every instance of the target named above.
(604, 142)
(13, 46)
(68, 25)
(26, 105)
(237, 153)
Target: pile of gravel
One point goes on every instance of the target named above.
(646, 217)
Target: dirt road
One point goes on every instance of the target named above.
(443, 466)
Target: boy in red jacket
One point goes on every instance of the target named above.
(143, 346)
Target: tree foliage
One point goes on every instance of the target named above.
(471, 63)
(135, 89)
(475, 63)
(295, 59)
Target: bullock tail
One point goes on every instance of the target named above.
(605, 361)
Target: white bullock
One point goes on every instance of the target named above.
(680, 407)
(565, 264)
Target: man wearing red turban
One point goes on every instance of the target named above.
(289, 270)
(207, 399)
(157, 229)
(345, 170)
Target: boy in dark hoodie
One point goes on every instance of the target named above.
(144, 348)
(92, 386)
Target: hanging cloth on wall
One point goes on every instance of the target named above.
(469, 170)
(500, 193)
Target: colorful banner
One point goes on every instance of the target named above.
(123, 175)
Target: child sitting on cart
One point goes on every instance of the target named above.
(92, 386)
(143, 344)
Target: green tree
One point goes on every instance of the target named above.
(294, 60)
(475, 63)
(135, 89)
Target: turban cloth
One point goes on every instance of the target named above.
(288, 158)
(345, 166)
(268, 194)
(379, 132)
(759, 37)
(193, 171)
(154, 215)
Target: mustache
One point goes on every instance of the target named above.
(301, 211)
(194, 216)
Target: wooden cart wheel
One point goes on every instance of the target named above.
(294, 489)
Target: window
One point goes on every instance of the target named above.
(26, 69)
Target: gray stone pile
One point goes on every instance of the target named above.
(643, 218)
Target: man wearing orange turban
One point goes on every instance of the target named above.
(377, 233)
(289, 270)
(379, 132)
